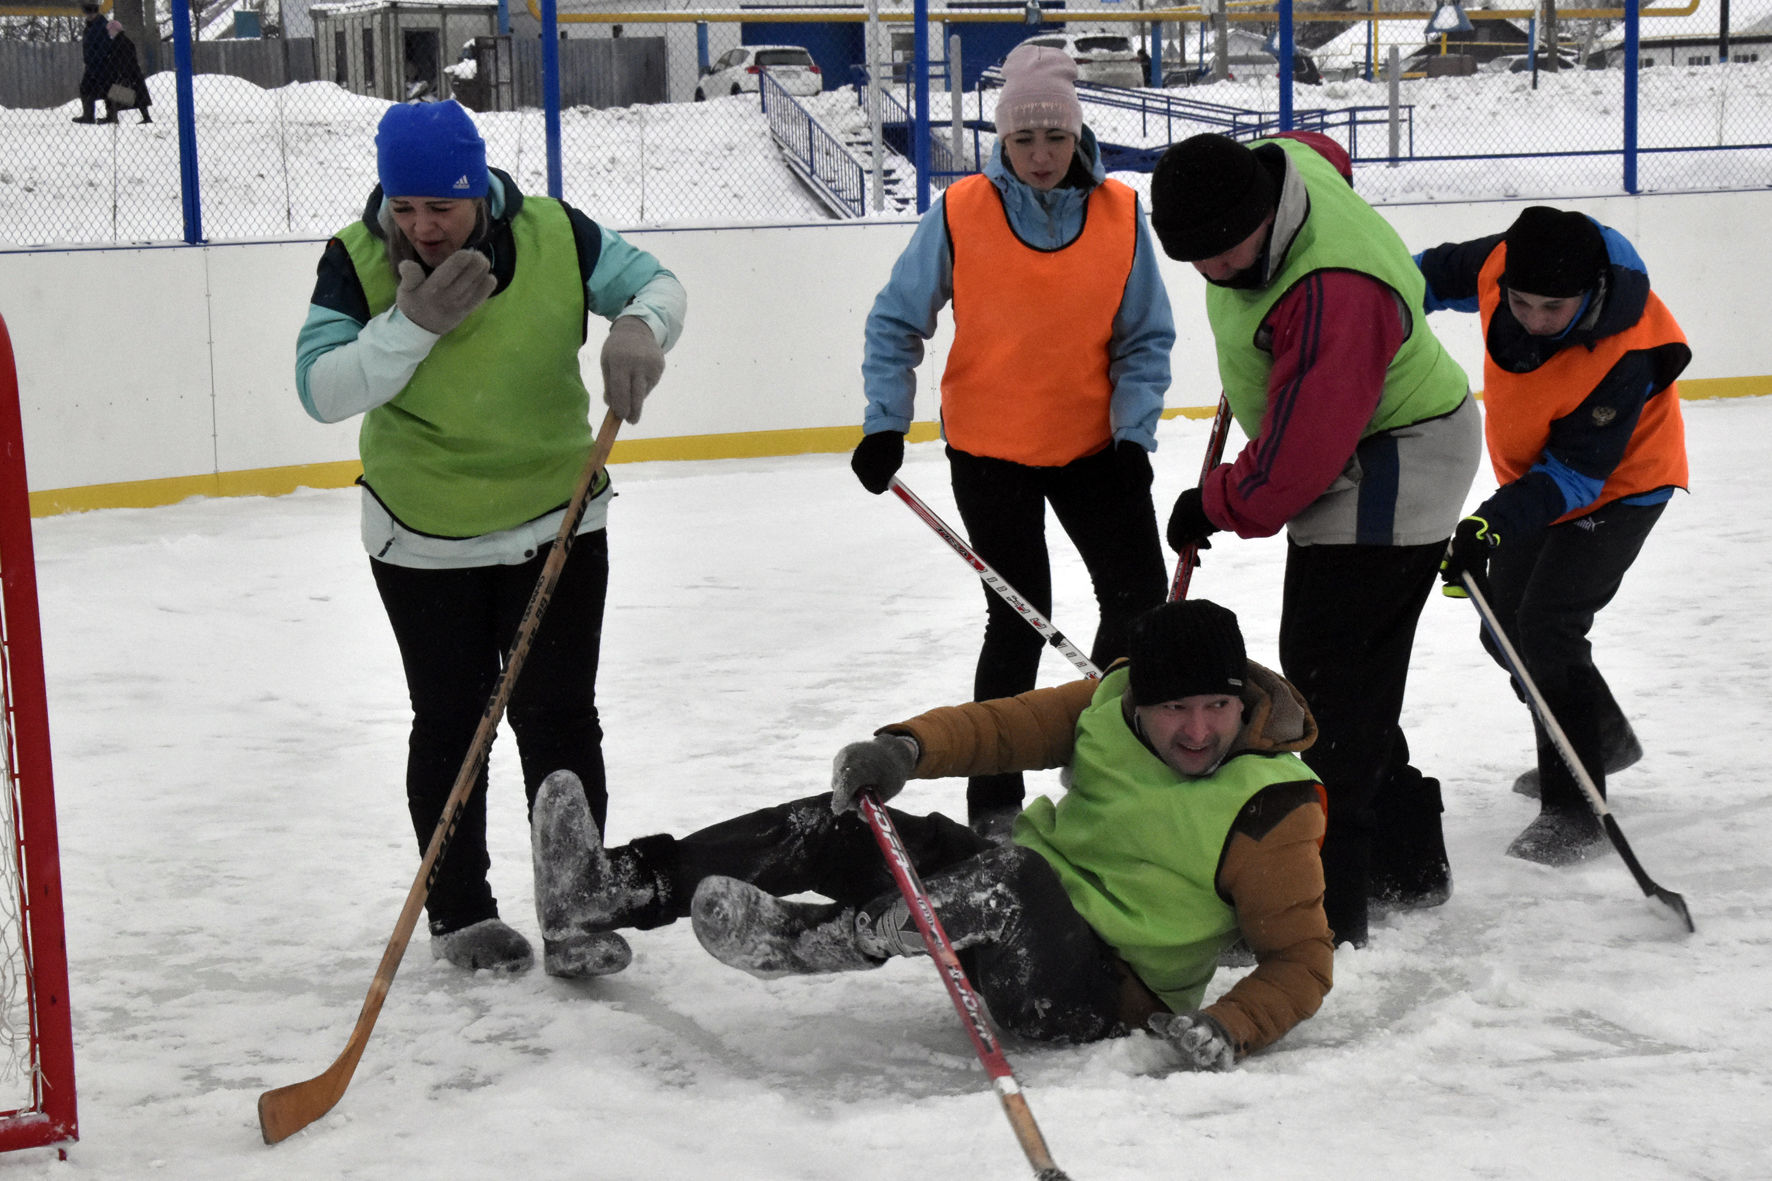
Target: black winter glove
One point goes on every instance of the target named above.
(1204, 1044)
(1467, 553)
(880, 765)
(1133, 463)
(1188, 522)
(877, 458)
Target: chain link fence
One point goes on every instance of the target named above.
(669, 119)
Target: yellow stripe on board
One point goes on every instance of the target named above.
(280, 481)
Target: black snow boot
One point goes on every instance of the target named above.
(1560, 836)
(1410, 869)
(86, 109)
(745, 927)
(575, 890)
(1622, 749)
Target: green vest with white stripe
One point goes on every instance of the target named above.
(1137, 847)
(1340, 233)
(493, 429)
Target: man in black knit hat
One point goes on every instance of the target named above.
(1583, 419)
(1188, 820)
(1363, 442)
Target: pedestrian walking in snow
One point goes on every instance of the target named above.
(95, 58)
(451, 317)
(128, 90)
(1054, 382)
(1582, 416)
(1363, 442)
(1189, 819)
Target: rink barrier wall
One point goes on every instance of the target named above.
(186, 387)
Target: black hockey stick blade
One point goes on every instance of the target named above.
(1477, 590)
(1651, 889)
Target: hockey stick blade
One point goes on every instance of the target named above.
(1475, 588)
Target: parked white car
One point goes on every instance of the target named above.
(1108, 59)
(737, 71)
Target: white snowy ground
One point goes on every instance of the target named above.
(229, 724)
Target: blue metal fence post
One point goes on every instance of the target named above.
(1286, 52)
(1632, 28)
(550, 92)
(1156, 78)
(701, 48)
(920, 102)
(504, 18)
(187, 123)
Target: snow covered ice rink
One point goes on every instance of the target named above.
(229, 724)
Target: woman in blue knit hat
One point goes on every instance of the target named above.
(450, 316)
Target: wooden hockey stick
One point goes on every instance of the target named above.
(1566, 749)
(1188, 558)
(287, 1110)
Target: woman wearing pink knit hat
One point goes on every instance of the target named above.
(1054, 382)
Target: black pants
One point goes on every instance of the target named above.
(1546, 591)
(1346, 631)
(1108, 516)
(454, 628)
(1040, 968)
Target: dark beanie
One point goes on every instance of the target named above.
(430, 150)
(1185, 649)
(1554, 252)
(1208, 193)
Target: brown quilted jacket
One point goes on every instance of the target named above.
(1270, 871)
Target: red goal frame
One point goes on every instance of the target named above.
(49, 1118)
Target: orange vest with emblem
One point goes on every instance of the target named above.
(1518, 408)
(1027, 375)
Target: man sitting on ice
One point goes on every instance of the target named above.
(1189, 819)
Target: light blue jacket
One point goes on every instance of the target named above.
(922, 283)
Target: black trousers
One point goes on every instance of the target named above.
(1546, 591)
(454, 628)
(1108, 516)
(1347, 628)
(1040, 968)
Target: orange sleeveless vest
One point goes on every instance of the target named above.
(1027, 376)
(1518, 408)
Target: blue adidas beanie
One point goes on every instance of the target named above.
(430, 150)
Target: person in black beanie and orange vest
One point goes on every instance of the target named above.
(1582, 414)
(1054, 382)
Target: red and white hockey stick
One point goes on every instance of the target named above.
(966, 1002)
(996, 582)
(1185, 560)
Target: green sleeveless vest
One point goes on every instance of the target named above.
(493, 429)
(1341, 233)
(1138, 847)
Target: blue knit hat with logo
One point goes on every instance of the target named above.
(430, 150)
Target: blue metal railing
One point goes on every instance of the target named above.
(819, 158)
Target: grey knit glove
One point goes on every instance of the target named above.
(439, 301)
(1203, 1043)
(880, 765)
(632, 365)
